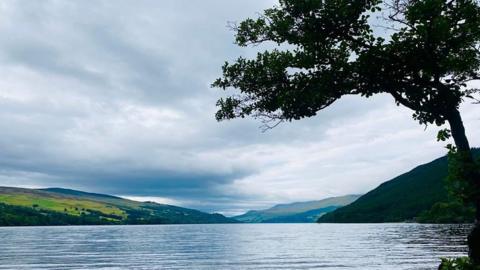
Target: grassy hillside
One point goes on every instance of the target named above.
(304, 217)
(298, 212)
(403, 198)
(56, 206)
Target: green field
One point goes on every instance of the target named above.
(67, 205)
(57, 206)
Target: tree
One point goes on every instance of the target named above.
(326, 49)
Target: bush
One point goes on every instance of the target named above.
(462, 263)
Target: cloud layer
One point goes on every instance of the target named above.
(114, 96)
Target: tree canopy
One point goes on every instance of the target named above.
(327, 49)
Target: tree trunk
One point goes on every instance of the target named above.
(458, 132)
(471, 174)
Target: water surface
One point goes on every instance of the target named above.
(232, 246)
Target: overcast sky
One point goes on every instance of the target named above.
(114, 97)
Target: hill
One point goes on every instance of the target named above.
(404, 198)
(56, 206)
(298, 212)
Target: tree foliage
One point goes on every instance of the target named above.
(458, 185)
(453, 211)
(462, 263)
(327, 49)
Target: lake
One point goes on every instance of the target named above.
(232, 246)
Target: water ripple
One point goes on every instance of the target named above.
(232, 246)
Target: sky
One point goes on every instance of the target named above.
(114, 97)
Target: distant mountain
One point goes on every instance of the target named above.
(404, 198)
(56, 206)
(299, 212)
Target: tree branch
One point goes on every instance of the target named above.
(400, 99)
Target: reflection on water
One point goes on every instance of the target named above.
(232, 246)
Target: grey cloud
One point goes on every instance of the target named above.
(114, 96)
